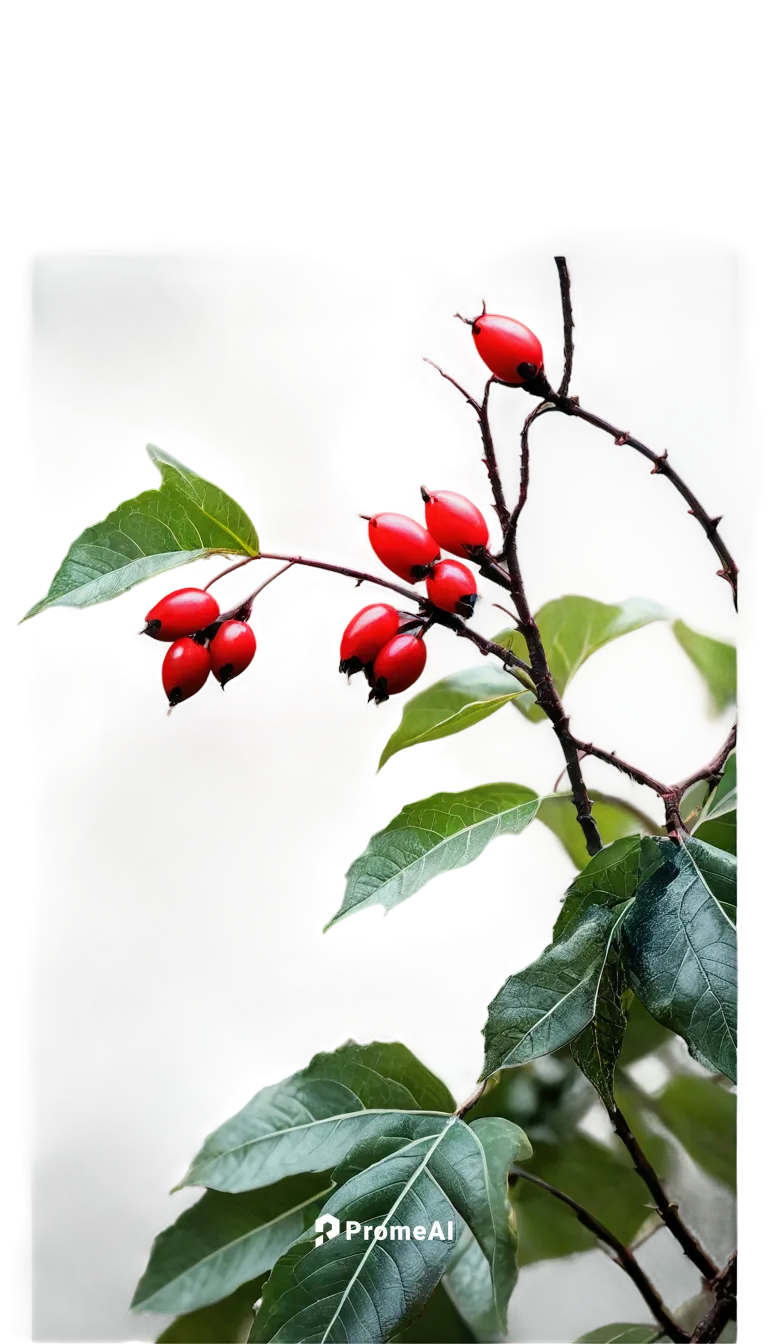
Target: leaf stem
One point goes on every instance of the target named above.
(623, 1254)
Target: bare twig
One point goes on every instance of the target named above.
(623, 1254)
(565, 298)
(481, 411)
(723, 1309)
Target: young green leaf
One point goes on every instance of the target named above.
(226, 1322)
(417, 1181)
(554, 999)
(224, 1241)
(430, 837)
(308, 1122)
(615, 819)
(186, 519)
(714, 659)
(455, 703)
(680, 948)
(716, 823)
(702, 1115)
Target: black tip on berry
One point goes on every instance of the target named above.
(175, 696)
(419, 572)
(526, 370)
(379, 691)
(366, 517)
(349, 666)
(151, 628)
(466, 605)
(425, 495)
(226, 673)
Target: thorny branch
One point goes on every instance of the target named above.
(622, 1253)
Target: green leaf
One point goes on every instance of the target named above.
(558, 816)
(702, 1115)
(611, 877)
(467, 1282)
(225, 1240)
(308, 1122)
(226, 1322)
(487, 1209)
(455, 703)
(428, 838)
(621, 1334)
(714, 659)
(415, 1172)
(186, 519)
(716, 823)
(596, 1050)
(551, 1001)
(680, 948)
(598, 1176)
(439, 1322)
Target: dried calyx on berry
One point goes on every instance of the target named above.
(510, 350)
(366, 635)
(184, 612)
(402, 544)
(456, 524)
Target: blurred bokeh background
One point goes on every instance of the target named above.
(186, 866)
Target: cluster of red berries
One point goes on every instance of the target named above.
(379, 640)
(201, 640)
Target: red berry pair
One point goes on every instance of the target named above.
(413, 552)
(200, 642)
(391, 661)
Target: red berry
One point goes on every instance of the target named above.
(402, 544)
(454, 521)
(232, 650)
(397, 666)
(366, 634)
(510, 349)
(181, 613)
(185, 670)
(451, 586)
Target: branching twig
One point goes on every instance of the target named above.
(666, 1209)
(481, 411)
(723, 1309)
(622, 1253)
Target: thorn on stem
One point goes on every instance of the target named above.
(658, 466)
(622, 438)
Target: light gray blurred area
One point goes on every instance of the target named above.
(186, 865)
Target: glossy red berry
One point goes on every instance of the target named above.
(456, 524)
(185, 670)
(510, 349)
(402, 544)
(399, 664)
(232, 650)
(181, 613)
(451, 586)
(366, 634)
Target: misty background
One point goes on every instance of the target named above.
(185, 866)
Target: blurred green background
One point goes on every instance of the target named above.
(184, 866)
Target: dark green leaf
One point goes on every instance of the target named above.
(439, 1322)
(226, 1322)
(597, 1048)
(610, 877)
(716, 824)
(455, 703)
(558, 816)
(467, 1282)
(416, 1171)
(680, 948)
(186, 519)
(427, 838)
(309, 1121)
(224, 1241)
(714, 659)
(552, 1000)
(702, 1115)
